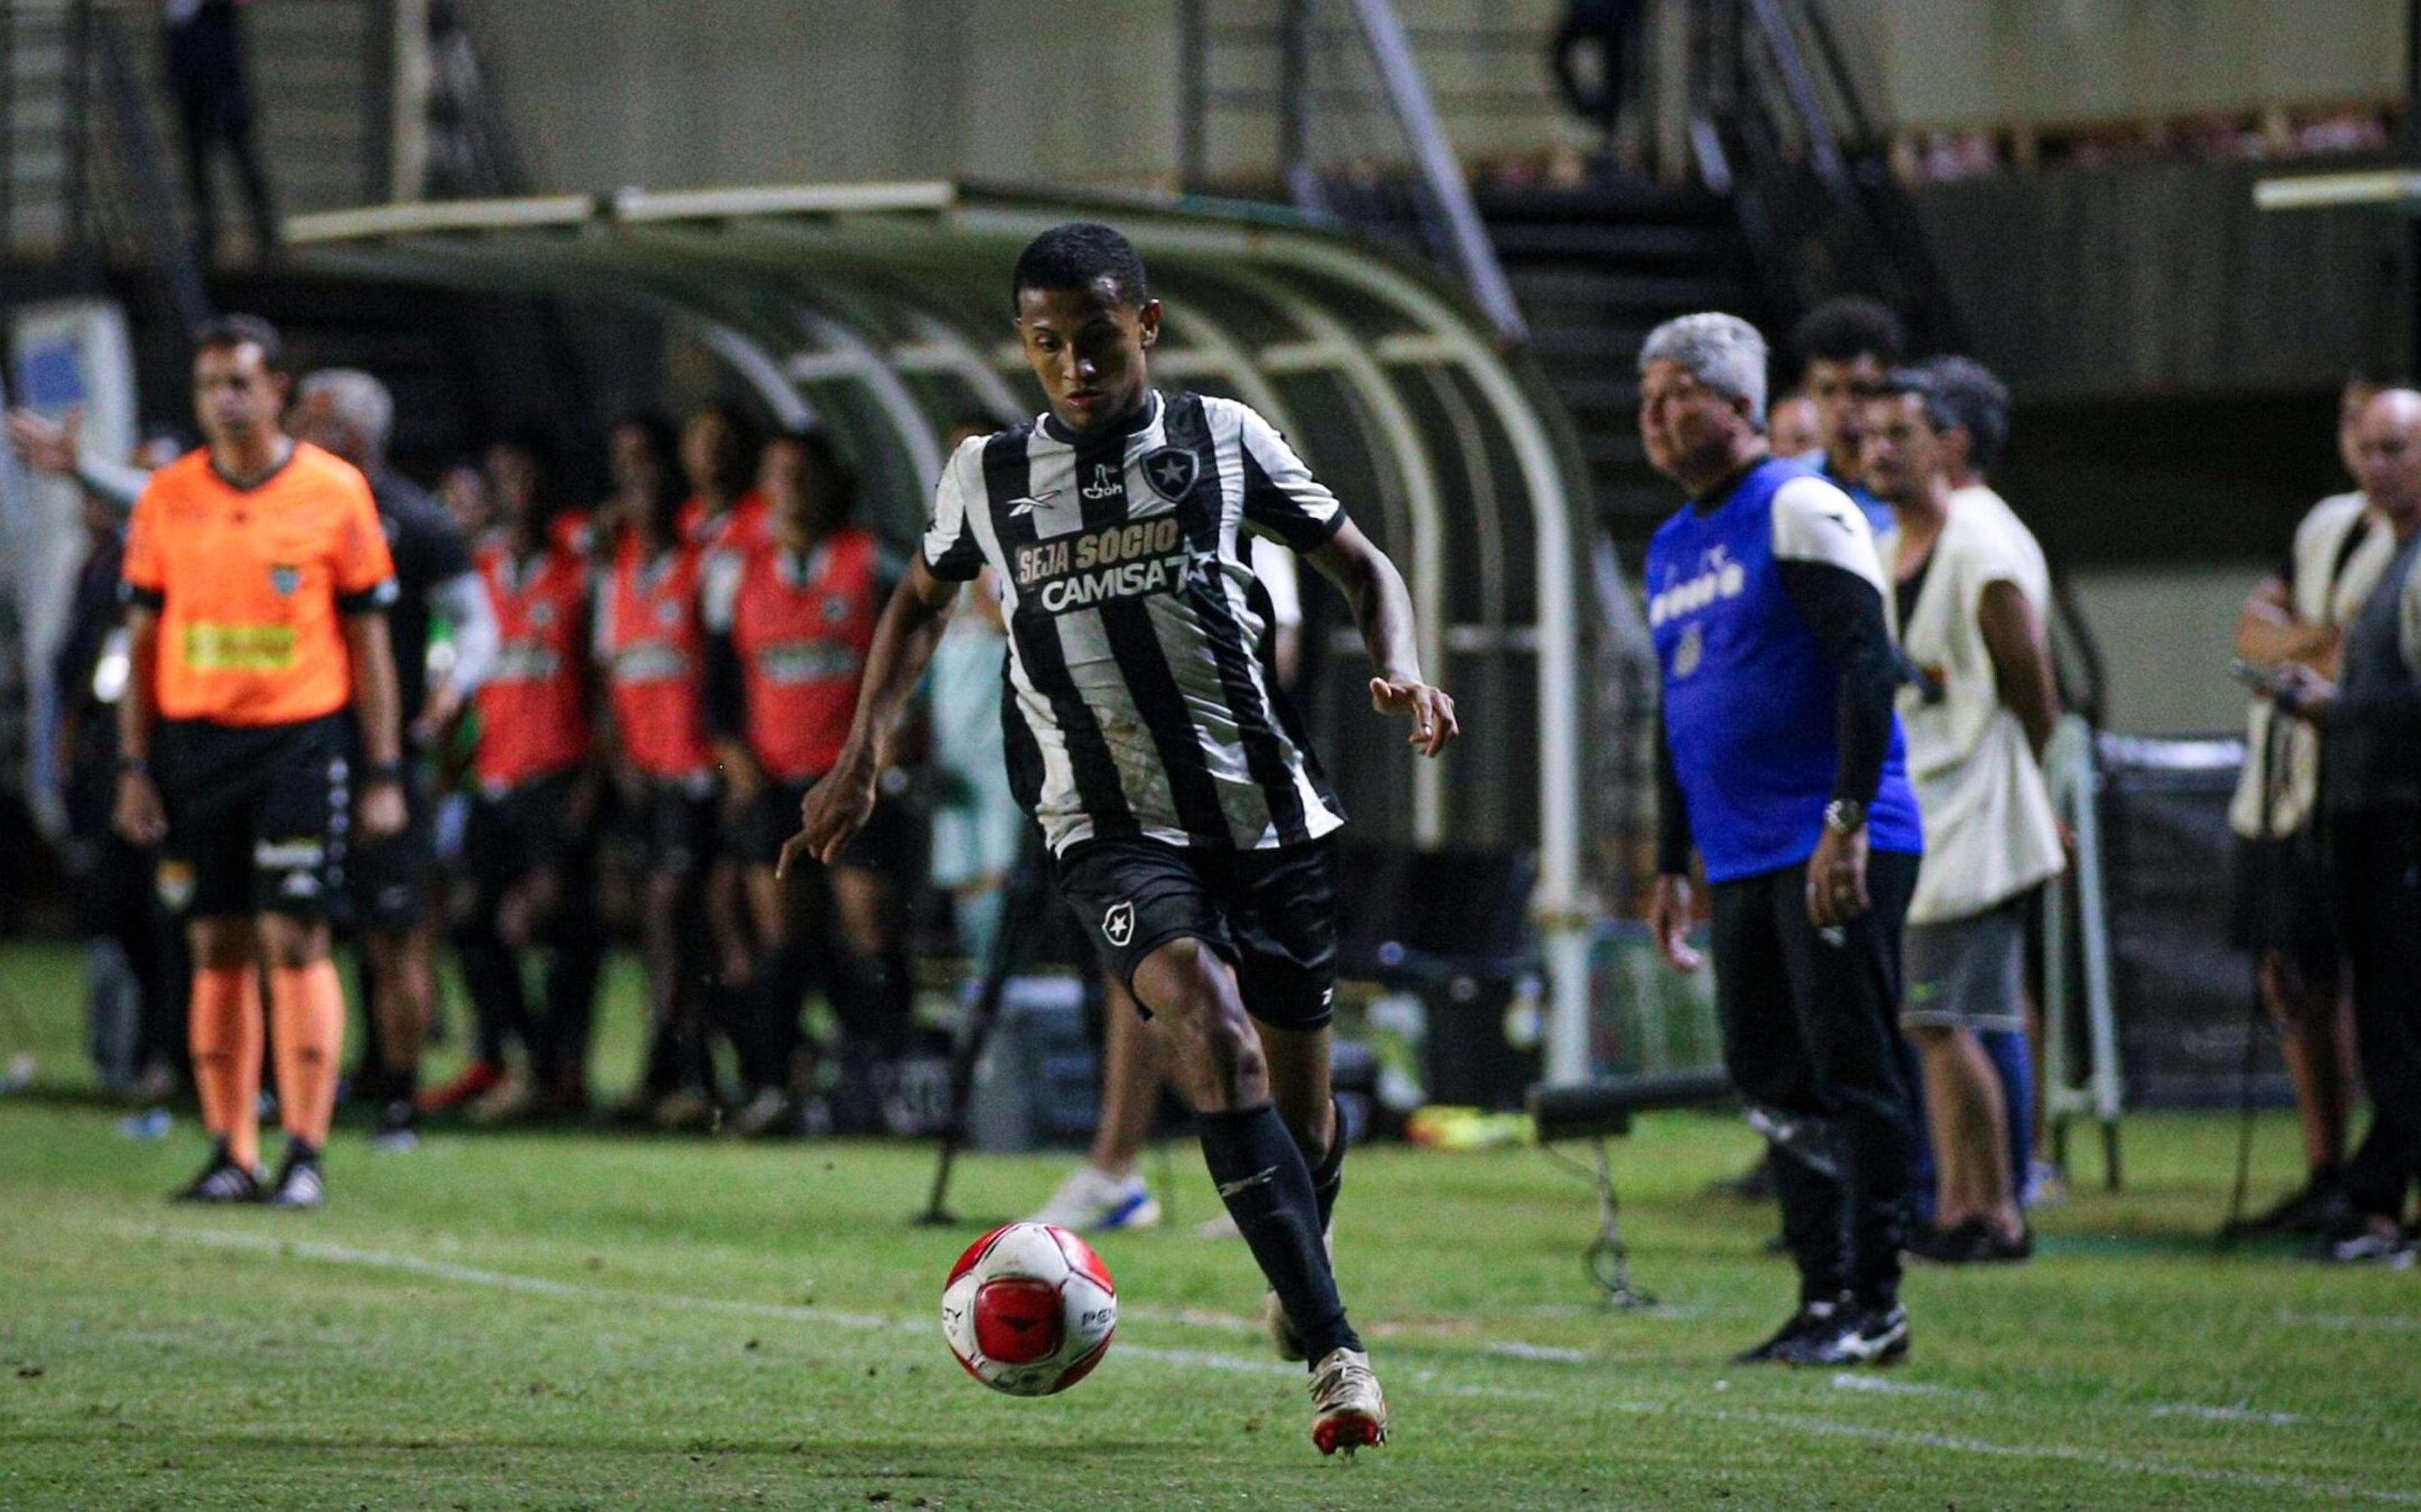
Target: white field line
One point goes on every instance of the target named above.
(1205, 1359)
(2228, 1414)
(2357, 1322)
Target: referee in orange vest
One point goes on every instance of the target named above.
(257, 579)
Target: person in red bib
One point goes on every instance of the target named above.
(790, 622)
(719, 453)
(526, 848)
(650, 647)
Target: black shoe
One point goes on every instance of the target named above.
(299, 1183)
(1756, 1184)
(1858, 1335)
(399, 1127)
(2316, 1208)
(221, 1181)
(1943, 1246)
(1812, 1318)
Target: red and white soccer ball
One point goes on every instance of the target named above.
(1030, 1309)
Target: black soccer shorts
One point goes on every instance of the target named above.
(250, 812)
(1271, 914)
(385, 882)
(675, 824)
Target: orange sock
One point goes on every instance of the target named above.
(309, 1007)
(222, 1025)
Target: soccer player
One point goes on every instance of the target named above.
(651, 647)
(1971, 589)
(526, 845)
(256, 580)
(1780, 762)
(789, 621)
(350, 414)
(1189, 822)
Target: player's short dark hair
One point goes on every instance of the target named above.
(829, 476)
(1981, 402)
(1077, 255)
(1844, 329)
(224, 333)
(1938, 411)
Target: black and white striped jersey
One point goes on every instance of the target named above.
(1138, 701)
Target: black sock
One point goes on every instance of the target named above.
(1267, 1188)
(1328, 1172)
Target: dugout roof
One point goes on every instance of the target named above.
(882, 311)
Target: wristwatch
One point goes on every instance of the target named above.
(1845, 815)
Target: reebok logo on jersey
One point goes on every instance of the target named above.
(1718, 578)
(1118, 926)
(1027, 504)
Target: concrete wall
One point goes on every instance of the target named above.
(613, 92)
(1956, 62)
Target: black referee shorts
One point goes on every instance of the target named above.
(250, 812)
(1271, 914)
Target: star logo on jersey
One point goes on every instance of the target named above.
(669, 613)
(1171, 472)
(285, 578)
(835, 608)
(1106, 484)
(1201, 570)
(1118, 926)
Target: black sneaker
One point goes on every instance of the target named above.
(299, 1183)
(1971, 1242)
(2316, 1208)
(1858, 1335)
(399, 1127)
(221, 1181)
(1812, 1318)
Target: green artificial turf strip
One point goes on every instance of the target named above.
(562, 1320)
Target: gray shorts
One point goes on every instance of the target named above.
(1967, 973)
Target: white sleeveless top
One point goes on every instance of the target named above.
(1990, 830)
(2322, 594)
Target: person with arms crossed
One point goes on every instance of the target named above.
(256, 580)
(2284, 914)
(1188, 821)
(1780, 762)
(1970, 590)
(2369, 720)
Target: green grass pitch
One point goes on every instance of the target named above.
(554, 1320)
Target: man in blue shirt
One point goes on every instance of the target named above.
(1780, 761)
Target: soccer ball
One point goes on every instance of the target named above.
(1030, 1309)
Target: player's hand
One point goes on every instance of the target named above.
(381, 809)
(48, 446)
(835, 809)
(1430, 708)
(139, 814)
(443, 703)
(1836, 877)
(1668, 919)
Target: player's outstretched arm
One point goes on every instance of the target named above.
(1383, 610)
(904, 638)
